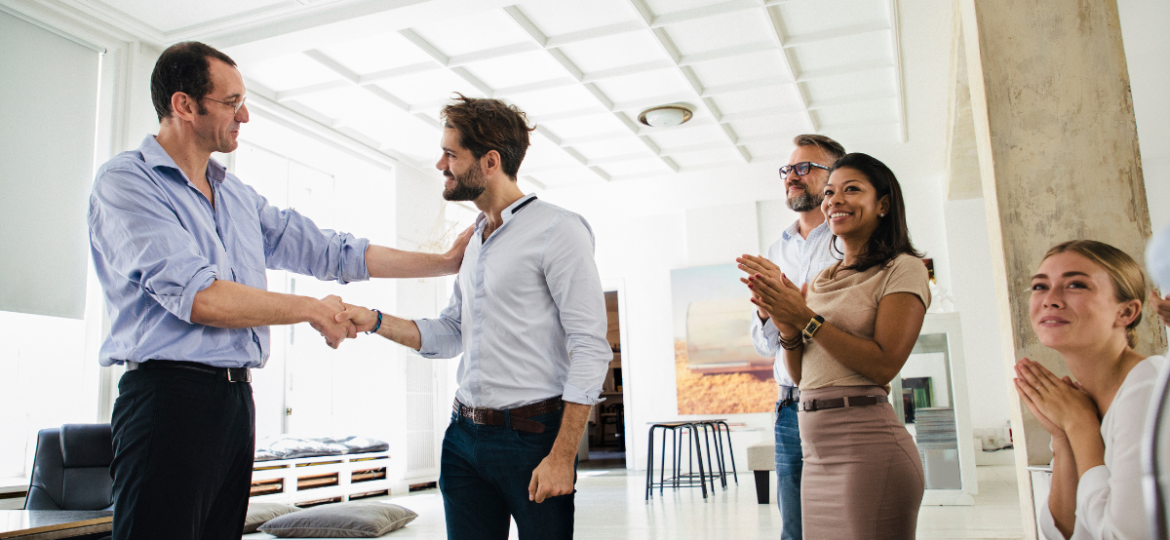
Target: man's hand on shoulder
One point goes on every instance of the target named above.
(553, 477)
(323, 320)
(453, 258)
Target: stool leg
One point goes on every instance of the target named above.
(763, 490)
(731, 451)
(699, 452)
(710, 469)
(650, 465)
(675, 457)
(662, 476)
(719, 456)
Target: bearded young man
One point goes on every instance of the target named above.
(803, 250)
(528, 315)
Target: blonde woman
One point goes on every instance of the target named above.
(862, 477)
(1086, 304)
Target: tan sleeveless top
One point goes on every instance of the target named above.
(849, 300)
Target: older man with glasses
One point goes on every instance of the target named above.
(180, 247)
(803, 250)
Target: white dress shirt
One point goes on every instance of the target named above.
(1110, 505)
(528, 312)
(801, 259)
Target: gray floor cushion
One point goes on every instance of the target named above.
(260, 513)
(341, 520)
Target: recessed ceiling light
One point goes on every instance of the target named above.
(665, 116)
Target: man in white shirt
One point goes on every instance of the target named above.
(528, 315)
(803, 250)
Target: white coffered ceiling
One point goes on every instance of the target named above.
(755, 72)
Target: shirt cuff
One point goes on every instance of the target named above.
(572, 394)
(353, 259)
(201, 280)
(1091, 483)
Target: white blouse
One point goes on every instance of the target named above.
(1110, 505)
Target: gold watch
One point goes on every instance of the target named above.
(813, 325)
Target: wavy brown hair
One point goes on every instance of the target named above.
(490, 124)
(892, 237)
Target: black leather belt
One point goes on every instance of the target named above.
(519, 416)
(243, 375)
(847, 401)
(788, 396)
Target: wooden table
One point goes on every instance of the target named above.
(53, 524)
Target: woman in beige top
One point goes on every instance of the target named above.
(862, 474)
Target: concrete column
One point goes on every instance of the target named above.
(1058, 155)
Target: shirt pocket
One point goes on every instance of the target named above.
(246, 251)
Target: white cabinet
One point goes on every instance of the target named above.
(933, 404)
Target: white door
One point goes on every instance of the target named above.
(310, 373)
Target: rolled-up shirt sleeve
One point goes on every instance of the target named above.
(575, 285)
(443, 337)
(137, 236)
(293, 242)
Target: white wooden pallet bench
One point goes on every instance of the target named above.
(316, 480)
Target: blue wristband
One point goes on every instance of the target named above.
(379, 325)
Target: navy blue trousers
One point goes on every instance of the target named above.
(484, 480)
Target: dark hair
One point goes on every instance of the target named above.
(827, 145)
(892, 237)
(490, 124)
(183, 67)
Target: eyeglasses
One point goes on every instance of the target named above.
(236, 105)
(801, 168)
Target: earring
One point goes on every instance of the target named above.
(881, 215)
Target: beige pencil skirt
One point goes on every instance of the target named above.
(862, 476)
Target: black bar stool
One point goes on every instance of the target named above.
(678, 430)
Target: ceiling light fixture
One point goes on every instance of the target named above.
(665, 116)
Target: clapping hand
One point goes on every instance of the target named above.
(1057, 403)
(780, 298)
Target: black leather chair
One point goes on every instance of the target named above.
(71, 470)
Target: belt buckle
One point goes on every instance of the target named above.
(809, 406)
(478, 417)
(247, 376)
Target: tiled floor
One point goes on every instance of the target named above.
(610, 505)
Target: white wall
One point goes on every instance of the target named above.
(1147, 48)
(974, 292)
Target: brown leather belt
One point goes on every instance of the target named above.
(847, 401)
(519, 416)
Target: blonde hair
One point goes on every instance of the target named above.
(1126, 274)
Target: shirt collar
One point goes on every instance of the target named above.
(508, 212)
(154, 155)
(792, 231)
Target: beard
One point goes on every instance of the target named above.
(806, 202)
(468, 186)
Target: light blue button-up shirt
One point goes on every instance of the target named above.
(156, 241)
(801, 259)
(528, 312)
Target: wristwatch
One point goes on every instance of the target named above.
(813, 325)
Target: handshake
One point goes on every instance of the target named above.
(336, 320)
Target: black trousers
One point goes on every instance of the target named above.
(184, 445)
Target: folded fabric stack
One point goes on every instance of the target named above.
(288, 447)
